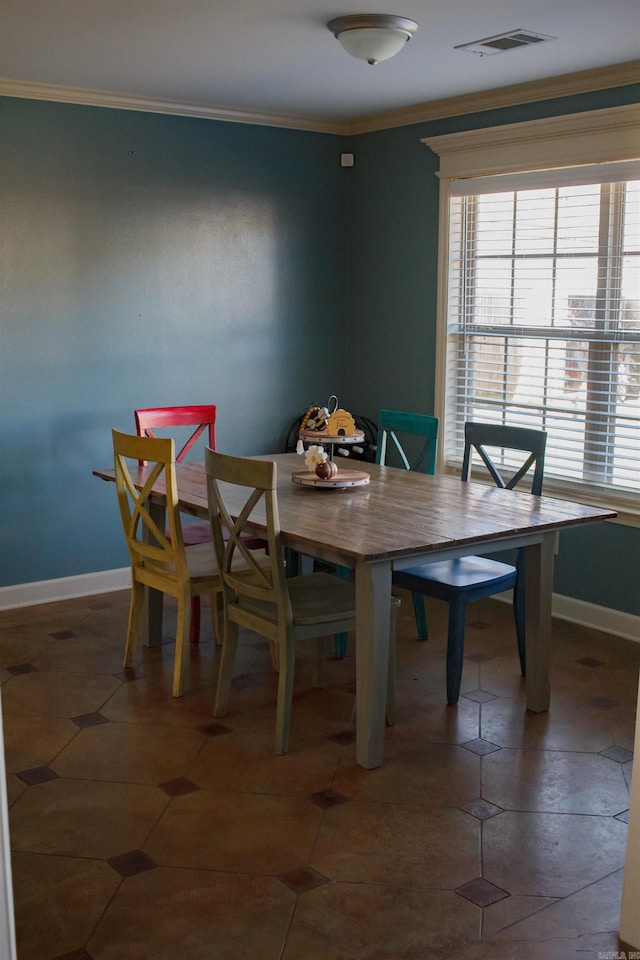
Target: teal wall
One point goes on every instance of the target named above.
(150, 259)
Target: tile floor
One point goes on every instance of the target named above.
(143, 829)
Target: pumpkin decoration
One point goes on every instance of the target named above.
(326, 470)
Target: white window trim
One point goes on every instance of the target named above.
(598, 136)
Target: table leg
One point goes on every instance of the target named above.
(373, 596)
(152, 624)
(538, 572)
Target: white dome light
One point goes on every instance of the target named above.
(372, 37)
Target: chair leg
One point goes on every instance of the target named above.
(217, 616)
(183, 627)
(317, 666)
(225, 671)
(341, 639)
(340, 647)
(194, 630)
(519, 614)
(285, 694)
(136, 611)
(274, 653)
(455, 649)
(292, 561)
(420, 615)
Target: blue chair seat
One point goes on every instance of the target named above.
(458, 582)
(480, 576)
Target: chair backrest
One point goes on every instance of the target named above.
(479, 436)
(394, 422)
(149, 546)
(251, 494)
(201, 416)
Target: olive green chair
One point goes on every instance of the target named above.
(261, 597)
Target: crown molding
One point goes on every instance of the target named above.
(570, 84)
(123, 101)
(598, 136)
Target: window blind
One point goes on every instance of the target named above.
(543, 319)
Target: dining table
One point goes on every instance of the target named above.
(397, 520)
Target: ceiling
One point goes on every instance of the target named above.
(277, 57)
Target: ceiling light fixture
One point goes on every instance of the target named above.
(372, 36)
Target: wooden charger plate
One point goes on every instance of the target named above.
(343, 478)
(322, 436)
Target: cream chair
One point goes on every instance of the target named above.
(260, 596)
(159, 560)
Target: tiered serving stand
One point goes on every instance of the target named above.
(343, 478)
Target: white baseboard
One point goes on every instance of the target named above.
(606, 619)
(615, 622)
(64, 588)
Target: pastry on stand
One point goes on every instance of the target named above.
(327, 426)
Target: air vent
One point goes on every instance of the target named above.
(504, 41)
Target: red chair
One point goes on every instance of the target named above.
(202, 417)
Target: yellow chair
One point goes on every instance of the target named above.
(261, 597)
(159, 560)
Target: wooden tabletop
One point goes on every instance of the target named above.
(398, 514)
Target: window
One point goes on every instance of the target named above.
(543, 323)
(540, 318)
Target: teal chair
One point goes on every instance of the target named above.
(470, 578)
(417, 444)
(412, 440)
